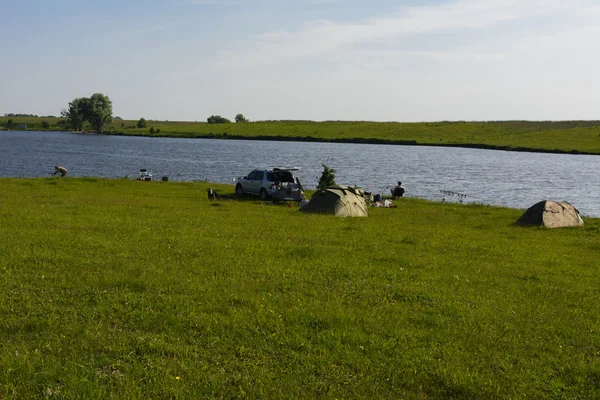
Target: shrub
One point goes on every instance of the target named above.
(217, 119)
(327, 178)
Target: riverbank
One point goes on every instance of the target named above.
(368, 141)
(121, 288)
(574, 137)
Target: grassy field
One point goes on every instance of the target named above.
(129, 289)
(555, 136)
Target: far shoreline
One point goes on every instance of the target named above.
(552, 137)
(310, 139)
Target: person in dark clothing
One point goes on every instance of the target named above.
(398, 191)
(60, 170)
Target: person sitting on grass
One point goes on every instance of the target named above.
(60, 170)
(398, 191)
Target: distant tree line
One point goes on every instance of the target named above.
(94, 111)
(217, 119)
(27, 115)
(10, 124)
(20, 115)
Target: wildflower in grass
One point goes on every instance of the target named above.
(178, 378)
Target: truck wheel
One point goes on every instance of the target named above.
(263, 194)
(239, 190)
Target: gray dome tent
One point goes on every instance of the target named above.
(338, 200)
(552, 214)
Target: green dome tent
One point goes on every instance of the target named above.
(338, 200)
(551, 214)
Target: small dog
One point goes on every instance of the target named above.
(212, 195)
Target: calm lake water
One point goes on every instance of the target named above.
(512, 179)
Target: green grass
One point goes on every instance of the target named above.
(128, 289)
(552, 136)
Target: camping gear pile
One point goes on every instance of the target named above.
(145, 175)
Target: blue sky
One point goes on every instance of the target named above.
(305, 59)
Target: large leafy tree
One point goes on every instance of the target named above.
(77, 112)
(240, 118)
(99, 112)
(95, 110)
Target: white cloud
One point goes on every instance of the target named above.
(575, 37)
(468, 59)
(324, 36)
(588, 12)
(460, 59)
